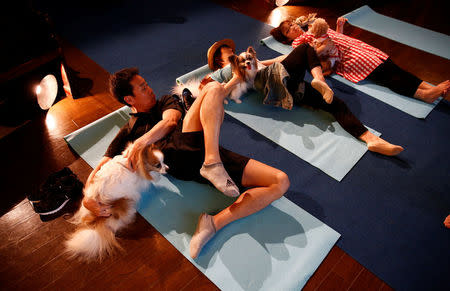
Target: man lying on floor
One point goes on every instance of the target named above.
(191, 150)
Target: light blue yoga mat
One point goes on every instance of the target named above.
(313, 135)
(278, 248)
(418, 37)
(406, 104)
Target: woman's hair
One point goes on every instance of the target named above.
(217, 58)
(278, 35)
(119, 84)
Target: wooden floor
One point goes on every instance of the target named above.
(31, 250)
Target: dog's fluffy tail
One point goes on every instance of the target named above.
(92, 243)
(191, 84)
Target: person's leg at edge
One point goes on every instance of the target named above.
(390, 75)
(269, 185)
(429, 94)
(206, 114)
(351, 123)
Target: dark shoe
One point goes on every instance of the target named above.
(55, 196)
(187, 99)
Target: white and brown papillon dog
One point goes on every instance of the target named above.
(246, 65)
(114, 184)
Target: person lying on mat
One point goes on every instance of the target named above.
(302, 58)
(130, 89)
(185, 147)
(359, 61)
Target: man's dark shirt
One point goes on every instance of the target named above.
(142, 122)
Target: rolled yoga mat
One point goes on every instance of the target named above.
(278, 248)
(406, 104)
(312, 135)
(415, 36)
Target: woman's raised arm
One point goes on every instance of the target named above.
(340, 24)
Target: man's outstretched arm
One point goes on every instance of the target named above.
(168, 123)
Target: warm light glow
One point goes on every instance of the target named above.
(50, 121)
(46, 91)
(275, 17)
(281, 2)
(66, 83)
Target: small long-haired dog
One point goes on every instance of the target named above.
(246, 66)
(116, 185)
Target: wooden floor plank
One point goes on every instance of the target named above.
(366, 281)
(324, 269)
(347, 269)
(200, 283)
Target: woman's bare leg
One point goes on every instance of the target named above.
(269, 185)
(429, 94)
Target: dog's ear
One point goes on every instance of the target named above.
(251, 51)
(147, 162)
(233, 59)
(235, 66)
(142, 161)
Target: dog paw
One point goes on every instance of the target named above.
(238, 101)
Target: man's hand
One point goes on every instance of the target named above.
(169, 122)
(97, 208)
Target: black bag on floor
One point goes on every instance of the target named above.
(56, 195)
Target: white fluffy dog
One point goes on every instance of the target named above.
(116, 185)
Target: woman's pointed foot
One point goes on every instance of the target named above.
(204, 232)
(383, 147)
(323, 89)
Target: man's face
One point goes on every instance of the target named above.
(144, 98)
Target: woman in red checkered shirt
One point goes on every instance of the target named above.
(358, 61)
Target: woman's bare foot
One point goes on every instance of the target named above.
(384, 148)
(324, 90)
(429, 94)
(379, 145)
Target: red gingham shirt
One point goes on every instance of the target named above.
(357, 58)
